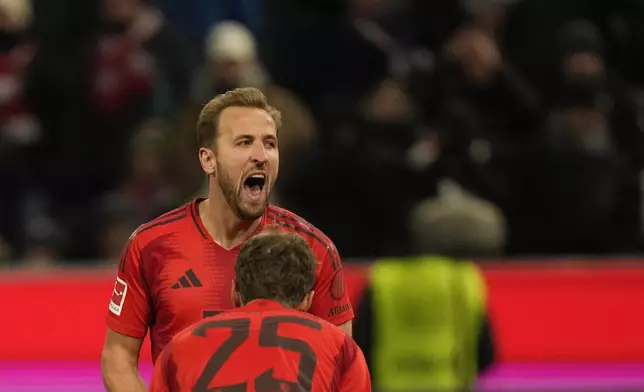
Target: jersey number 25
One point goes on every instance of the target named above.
(268, 337)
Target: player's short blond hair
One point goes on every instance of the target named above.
(249, 97)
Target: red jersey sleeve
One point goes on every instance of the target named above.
(129, 308)
(356, 377)
(330, 300)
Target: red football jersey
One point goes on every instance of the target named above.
(173, 274)
(262, 347)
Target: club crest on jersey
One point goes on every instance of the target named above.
(118, 296)
(337, 285)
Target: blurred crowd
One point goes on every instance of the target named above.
(479, 127)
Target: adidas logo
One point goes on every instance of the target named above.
(188, 280)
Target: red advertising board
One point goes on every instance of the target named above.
(547, 312)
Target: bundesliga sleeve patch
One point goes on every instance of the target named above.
(118, 296)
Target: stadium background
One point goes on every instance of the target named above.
(507, 130)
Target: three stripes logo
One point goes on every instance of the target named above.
(189, 279)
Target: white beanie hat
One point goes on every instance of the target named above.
(19, 13)
(230, 40)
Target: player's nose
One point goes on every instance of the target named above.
(258, 153)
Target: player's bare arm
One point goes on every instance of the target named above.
(120, 363)
(127, 324)
(347, 327)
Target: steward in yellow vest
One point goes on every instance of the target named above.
(422, 325)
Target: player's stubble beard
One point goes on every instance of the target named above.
(232, 195)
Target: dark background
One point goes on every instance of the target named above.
(487, 128)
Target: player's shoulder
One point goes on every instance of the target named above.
(327, 328)
(199, 327)
(289, 221)
(168, 223)
(331, 334)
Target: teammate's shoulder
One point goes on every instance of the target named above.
(327, 328)
(282, 215)
(294, 316)
(166, 223)
(199, 327)
(290, 221)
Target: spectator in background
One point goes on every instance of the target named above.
(231, 61)
(45, 241)
(480, 111)
(130, 68)
(423, 324)
(148, 186)
(21, 136)
(366, 158)
(42, 253)
(574, 189)
(195, 18)
(139, 66)
(300, 42)
(133, 67)
(582, 177)
(406, 95)
(369, 121)
(581, 57)
(487, 110)
(457, 223)
(19, 125)
(531, 35)
(489, 15)
(145, 193)
(116, 225)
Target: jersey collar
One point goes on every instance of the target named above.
(194, 211)
(262, 305)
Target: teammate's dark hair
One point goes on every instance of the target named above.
(275, 265)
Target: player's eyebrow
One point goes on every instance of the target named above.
(244, 137)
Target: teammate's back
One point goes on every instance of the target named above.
(268, 343)
(263, 346)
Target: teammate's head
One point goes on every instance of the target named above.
(237, 136)
(277, 266)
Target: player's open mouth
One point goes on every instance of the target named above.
(254, 185)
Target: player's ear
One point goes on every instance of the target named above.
(207, 160)
(234, 295)
(306, 303)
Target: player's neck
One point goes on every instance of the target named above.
(273, 301)
(225, 228)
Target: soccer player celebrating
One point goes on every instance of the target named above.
(269, 344)
(178, 268)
